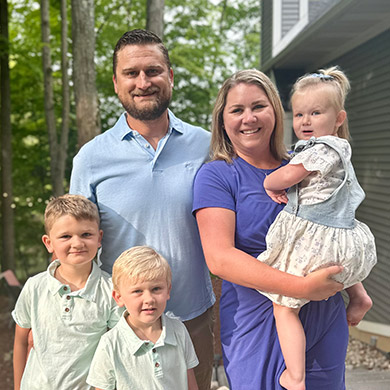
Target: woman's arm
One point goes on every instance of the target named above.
(192, 385)
(20, 354)
(285, 177)
(217, 231)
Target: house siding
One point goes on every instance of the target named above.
(368, 108)
(266, 30)
(290, 15)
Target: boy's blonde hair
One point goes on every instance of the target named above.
(76, 206)
(140, 263)
(338, 84)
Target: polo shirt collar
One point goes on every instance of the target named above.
(124, 130)
(135, 343)
(88, 292)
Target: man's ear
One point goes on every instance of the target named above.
(171, 76)
(118, 298)
(114, 81)
(47, 242)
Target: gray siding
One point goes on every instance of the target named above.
(290, 15)
(368, 108)
(266, 30)
(318, 7)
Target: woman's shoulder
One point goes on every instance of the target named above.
(216, 168)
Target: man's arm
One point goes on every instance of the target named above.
(20, 354)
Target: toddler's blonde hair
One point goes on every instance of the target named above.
(338, 84)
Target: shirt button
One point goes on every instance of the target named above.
(68, 297)
(157, 365)
(154, 350)
(67, 309)
(65, 288)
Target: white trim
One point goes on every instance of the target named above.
(374, 327)
(279, 43)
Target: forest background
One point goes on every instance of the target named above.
(57, 91)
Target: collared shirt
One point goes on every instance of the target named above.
(66, 326)
(144, 197)
(124, 361)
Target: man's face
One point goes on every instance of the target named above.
(143, 81)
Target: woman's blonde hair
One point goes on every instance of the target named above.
(221, 146)
(338, 85)
(77, 206)
(140, 263)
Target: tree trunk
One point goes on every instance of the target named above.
(63, 149)
(7, 214)
(155, 17)
(56, 179)
(84, 75)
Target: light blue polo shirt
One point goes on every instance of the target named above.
(66, 327)
(144, 197)
(124, 361)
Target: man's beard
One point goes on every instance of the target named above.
(148, 113)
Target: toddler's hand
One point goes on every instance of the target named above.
(277, 196)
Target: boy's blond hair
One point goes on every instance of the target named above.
(76, 206)
(140, 263)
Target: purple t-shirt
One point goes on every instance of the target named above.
(251, 352)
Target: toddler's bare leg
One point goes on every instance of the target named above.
(359, 304)
(293, 344)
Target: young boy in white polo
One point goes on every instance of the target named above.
(68, 307)
(147, 349)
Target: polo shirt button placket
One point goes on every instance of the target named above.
(157, 365)
(67, 301)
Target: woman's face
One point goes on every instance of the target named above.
(249, 119)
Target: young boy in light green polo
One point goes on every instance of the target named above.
(68, 307)
(147, 349)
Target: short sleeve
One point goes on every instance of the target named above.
(214, 187)
(115, 315)
(80, 180)
(190, 355)
(22, 311)
(102, 373)
(319, 157)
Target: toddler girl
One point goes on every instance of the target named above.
(317, 228)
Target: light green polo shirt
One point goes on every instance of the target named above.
(124, 361)
(66, 327)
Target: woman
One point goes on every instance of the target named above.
(233, 214)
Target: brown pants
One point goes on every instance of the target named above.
(201, 330)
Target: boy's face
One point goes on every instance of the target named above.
(73, 242)
(145, 301)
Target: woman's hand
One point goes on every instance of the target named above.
(319, 285)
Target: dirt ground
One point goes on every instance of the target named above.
(6, 344)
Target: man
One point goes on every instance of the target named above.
(140, 175)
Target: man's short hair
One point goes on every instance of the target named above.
(76, 206)
(139, 37)
(140, 263)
